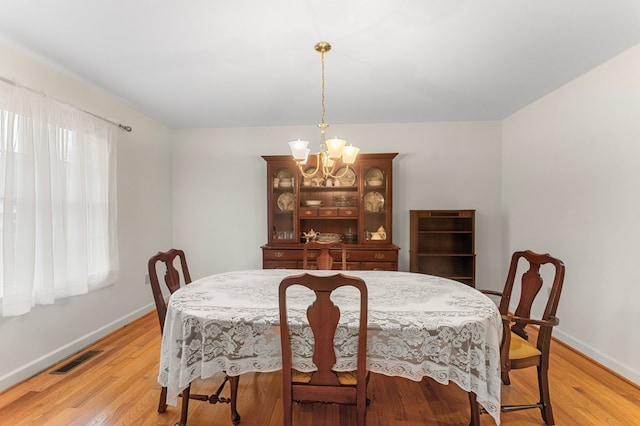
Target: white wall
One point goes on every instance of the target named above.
(39, 339)
(571, 180)
(220, 186)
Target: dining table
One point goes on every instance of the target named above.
(419, 326)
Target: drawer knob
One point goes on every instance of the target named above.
(278, 254)
(379, 256)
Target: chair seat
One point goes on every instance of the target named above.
(345, 378)
(521, 348)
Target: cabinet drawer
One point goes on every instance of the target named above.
(348, 212)
(308, 212)
(373, 255)
(337, 265)
(379, 266)
(328, 212)
(275, 254)
(275, 264)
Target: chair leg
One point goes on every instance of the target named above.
(361, 409)
(545, 398)
(475, 410)
(287, 405)
(162, 405)
(505, 378)
(185, 406)
(233, 388)
(361, 414)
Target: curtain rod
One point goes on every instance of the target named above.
(121, 126)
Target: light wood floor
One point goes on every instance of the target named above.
(118, 387)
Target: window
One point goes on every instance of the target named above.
(57, 201)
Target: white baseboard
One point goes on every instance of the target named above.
(610, 363)
(40, 364)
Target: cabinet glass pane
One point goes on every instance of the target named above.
(375, 205)
(283, 225)
(283, 206)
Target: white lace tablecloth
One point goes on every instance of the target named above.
(419, 325)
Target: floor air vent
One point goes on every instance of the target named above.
(75, 362)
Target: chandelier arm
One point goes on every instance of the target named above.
(341, 175)
(329, 172)
(314, 172)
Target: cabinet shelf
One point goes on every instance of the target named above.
(328, 218)
(445, 232)
(328, 188)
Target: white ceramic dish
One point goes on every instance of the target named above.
(285, 201)
(349, 177)
(374, 182)
(373, 202)
(313, 203)
(327, 237)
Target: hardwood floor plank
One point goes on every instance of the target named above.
(119, 387)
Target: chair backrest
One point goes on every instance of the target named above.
(530, 285)
(171, 278)
(324, 260)
(323, 317)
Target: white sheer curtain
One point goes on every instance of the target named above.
(58, 225)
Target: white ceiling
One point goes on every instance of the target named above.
(213, 63)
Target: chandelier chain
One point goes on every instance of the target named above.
(322, 95)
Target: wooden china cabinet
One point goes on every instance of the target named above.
(357, 208)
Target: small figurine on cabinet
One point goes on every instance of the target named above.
(311, 235)
(380, 234)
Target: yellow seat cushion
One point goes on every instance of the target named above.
(344, 377)
(521, 348)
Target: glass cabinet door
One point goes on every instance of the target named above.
(282, 203)
(376, 202)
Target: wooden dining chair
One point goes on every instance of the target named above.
(173, 279)
(323, 385)
(324, 261)
(516, 350)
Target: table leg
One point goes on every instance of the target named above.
(233, 388)
(475, 410)
(185, 406)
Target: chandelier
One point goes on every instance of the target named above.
(331, 150)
